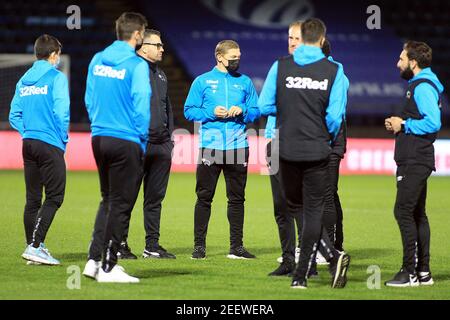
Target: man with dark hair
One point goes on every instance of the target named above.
(415, 130)
(305, 92)
(158, 158)
(40, 112)
(224, 101)
(117, 100)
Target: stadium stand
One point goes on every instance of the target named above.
(369, 56)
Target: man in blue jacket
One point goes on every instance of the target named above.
(304, 92)
(40, 112)
(415, 130)
(224, 101)
(117, 100)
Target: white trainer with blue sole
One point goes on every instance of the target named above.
(40, 255)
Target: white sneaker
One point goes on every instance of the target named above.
(91, 268)
(320, 259)
(116, 275)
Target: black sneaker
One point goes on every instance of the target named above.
(299, 284)
(403, 279)
(240, 253)
(199, 253)
(425, 278)
(284, 269)
(338, 269)
(125, 252)
(157, 252)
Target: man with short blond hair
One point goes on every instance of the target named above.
(224, 101)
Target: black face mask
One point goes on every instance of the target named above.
(233, 65)
(407, 74)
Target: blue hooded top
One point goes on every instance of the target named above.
(271, 120)
(427, 99)
(303, 55)
(40, 108)
(118, 94)
(217, 88)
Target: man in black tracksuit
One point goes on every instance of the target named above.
(285, 223)
(332, 212)
(416, 129)
(158, 158)
(305, 92)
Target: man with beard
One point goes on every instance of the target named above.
(415, 130)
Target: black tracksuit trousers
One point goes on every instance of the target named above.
(157, 163)
(305, 184)
(411, 217)
(44, 168)
(233, 163)
(119, 164)
(283, 218)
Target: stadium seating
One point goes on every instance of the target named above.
(22, 21)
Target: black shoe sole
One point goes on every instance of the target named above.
(340, 277)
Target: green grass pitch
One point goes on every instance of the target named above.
(371, 238)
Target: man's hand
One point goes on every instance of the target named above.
(234, 111)
(394, 124)
(221, 112)
(387, 124)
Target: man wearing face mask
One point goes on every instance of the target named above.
(158, 157)
(415, 131)
(40, 112)
(117, 100)
(223, 101)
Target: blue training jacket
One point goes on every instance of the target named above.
(40, 108)
(216, 88)
(118, 94)
(427, 100)
(303, 55)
